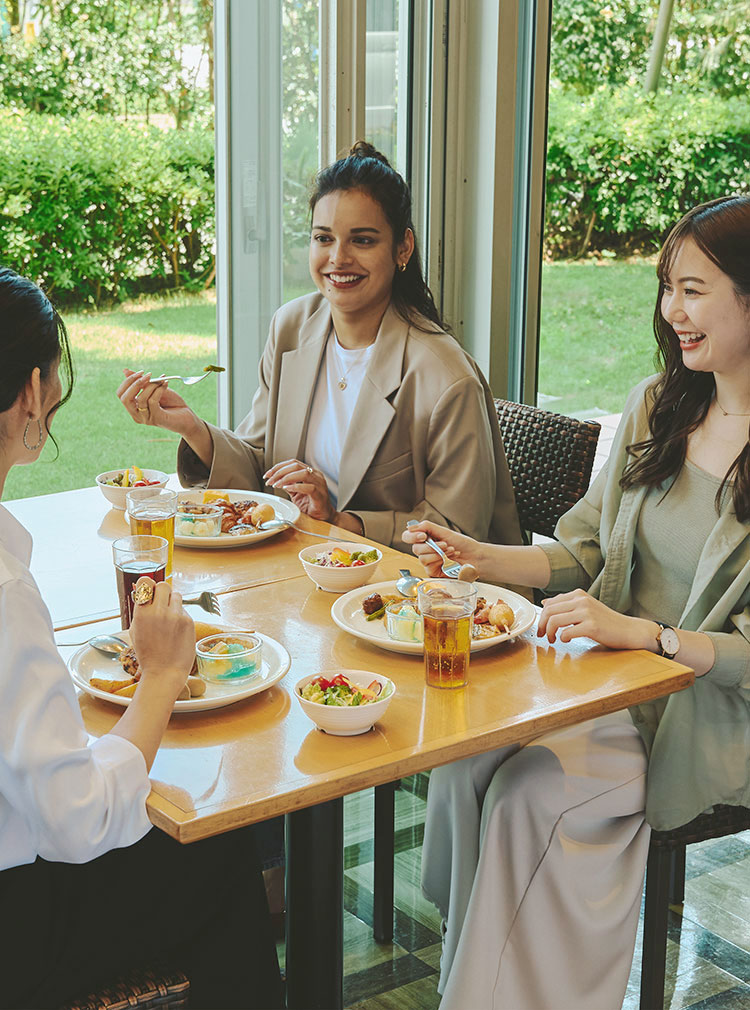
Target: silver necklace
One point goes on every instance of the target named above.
(342, 383)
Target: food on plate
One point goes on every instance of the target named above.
(229, 656)
(491, 619)
(375, 604)
(193, 520)
(132, 477)
(339, 558)
(404, 622)
(111, 684)
(340, 691)
(237, 518)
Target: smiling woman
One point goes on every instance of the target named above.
(368, 412)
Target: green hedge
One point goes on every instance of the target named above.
(623, 167)
(95, 208)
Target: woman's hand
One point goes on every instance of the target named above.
(154, 403)
(305, 486)
(578, 615)
(456, 546)
(163, 636)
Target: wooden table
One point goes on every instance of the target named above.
(261, 757)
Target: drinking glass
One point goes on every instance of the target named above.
(447, 607)
(134, 557)
(152, 511)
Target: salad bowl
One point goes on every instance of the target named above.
(347, 720)
(335, 578)
(117, 493)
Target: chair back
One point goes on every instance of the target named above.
(550, 458)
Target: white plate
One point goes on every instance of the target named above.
(88, 662)
(348, 614)
(283, 508)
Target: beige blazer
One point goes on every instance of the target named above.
(423, 442)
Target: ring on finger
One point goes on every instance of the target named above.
(143, 594)
(309, 469)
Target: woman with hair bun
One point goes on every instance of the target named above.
(78, 863)
(368, 412)
(535, 855)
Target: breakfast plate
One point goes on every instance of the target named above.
(347, 613)
(283, 508)
(87, 662)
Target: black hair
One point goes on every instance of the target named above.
(32, 335)
(366, 169)
(682, 397)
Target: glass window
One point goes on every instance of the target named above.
(386, 92)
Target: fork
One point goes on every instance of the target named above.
(189, 380)
(206, 601)
(450, 568)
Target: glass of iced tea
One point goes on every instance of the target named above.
(447, 608)
(151, 511)
(134, 557)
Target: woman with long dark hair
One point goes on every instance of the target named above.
(535, 855)
(80, 873)
(368, 412)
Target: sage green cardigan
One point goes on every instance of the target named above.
(698, 740)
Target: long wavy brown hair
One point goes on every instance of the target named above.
(680, 398)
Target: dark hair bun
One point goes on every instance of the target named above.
(361, 149)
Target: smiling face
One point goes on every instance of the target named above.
(710, 321)
(352, 255)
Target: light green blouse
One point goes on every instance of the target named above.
(698, 739)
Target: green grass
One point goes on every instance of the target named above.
(596, 343)
(597, 336)
(174, 334)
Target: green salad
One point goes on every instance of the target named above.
(340, 691)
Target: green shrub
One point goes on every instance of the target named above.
(622, 167)
(95, 208)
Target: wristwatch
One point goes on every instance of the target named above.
(669, 643)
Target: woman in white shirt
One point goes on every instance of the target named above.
(66, 801)
(368, 412)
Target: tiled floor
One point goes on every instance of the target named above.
(708, 958)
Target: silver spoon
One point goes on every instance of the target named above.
(407, 584)
(450, 568)
(108, 644)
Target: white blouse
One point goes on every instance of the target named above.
(60, 797)
(332, 408)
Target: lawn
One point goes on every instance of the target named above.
(597, 337)
(596, 343)
(175, 335)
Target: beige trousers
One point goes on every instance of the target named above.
(535, 857)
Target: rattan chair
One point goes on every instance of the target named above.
(138, 990)
(665, 885)
(550, 458)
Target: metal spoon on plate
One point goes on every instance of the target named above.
(108, 644)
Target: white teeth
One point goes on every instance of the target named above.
(343, 278)
(692, 338)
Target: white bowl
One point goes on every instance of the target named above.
(116, 495)
(344, 720)
(338, 580)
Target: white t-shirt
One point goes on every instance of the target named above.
(332, 409)
(60, 798)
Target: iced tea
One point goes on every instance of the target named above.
(127, 576)
(447, 609)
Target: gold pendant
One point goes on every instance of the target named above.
(342, 383)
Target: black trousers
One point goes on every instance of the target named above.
(68, 929)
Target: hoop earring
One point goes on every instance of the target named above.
(38, 442)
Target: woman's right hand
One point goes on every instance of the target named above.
(457, 546)
(154, 403)
(163, 636)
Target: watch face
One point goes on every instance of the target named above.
(670, 643)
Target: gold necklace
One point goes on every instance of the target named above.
(728, 413)
(342, 383)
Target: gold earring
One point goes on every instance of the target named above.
(401, 267)
(38, 442)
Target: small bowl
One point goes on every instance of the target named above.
(116, 495)
(337, 580)
(403, 627)
(345, 720)
(231, 667)
(206, 523)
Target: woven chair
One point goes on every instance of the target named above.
(138, 990)
(550, 458)
(665, 885)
